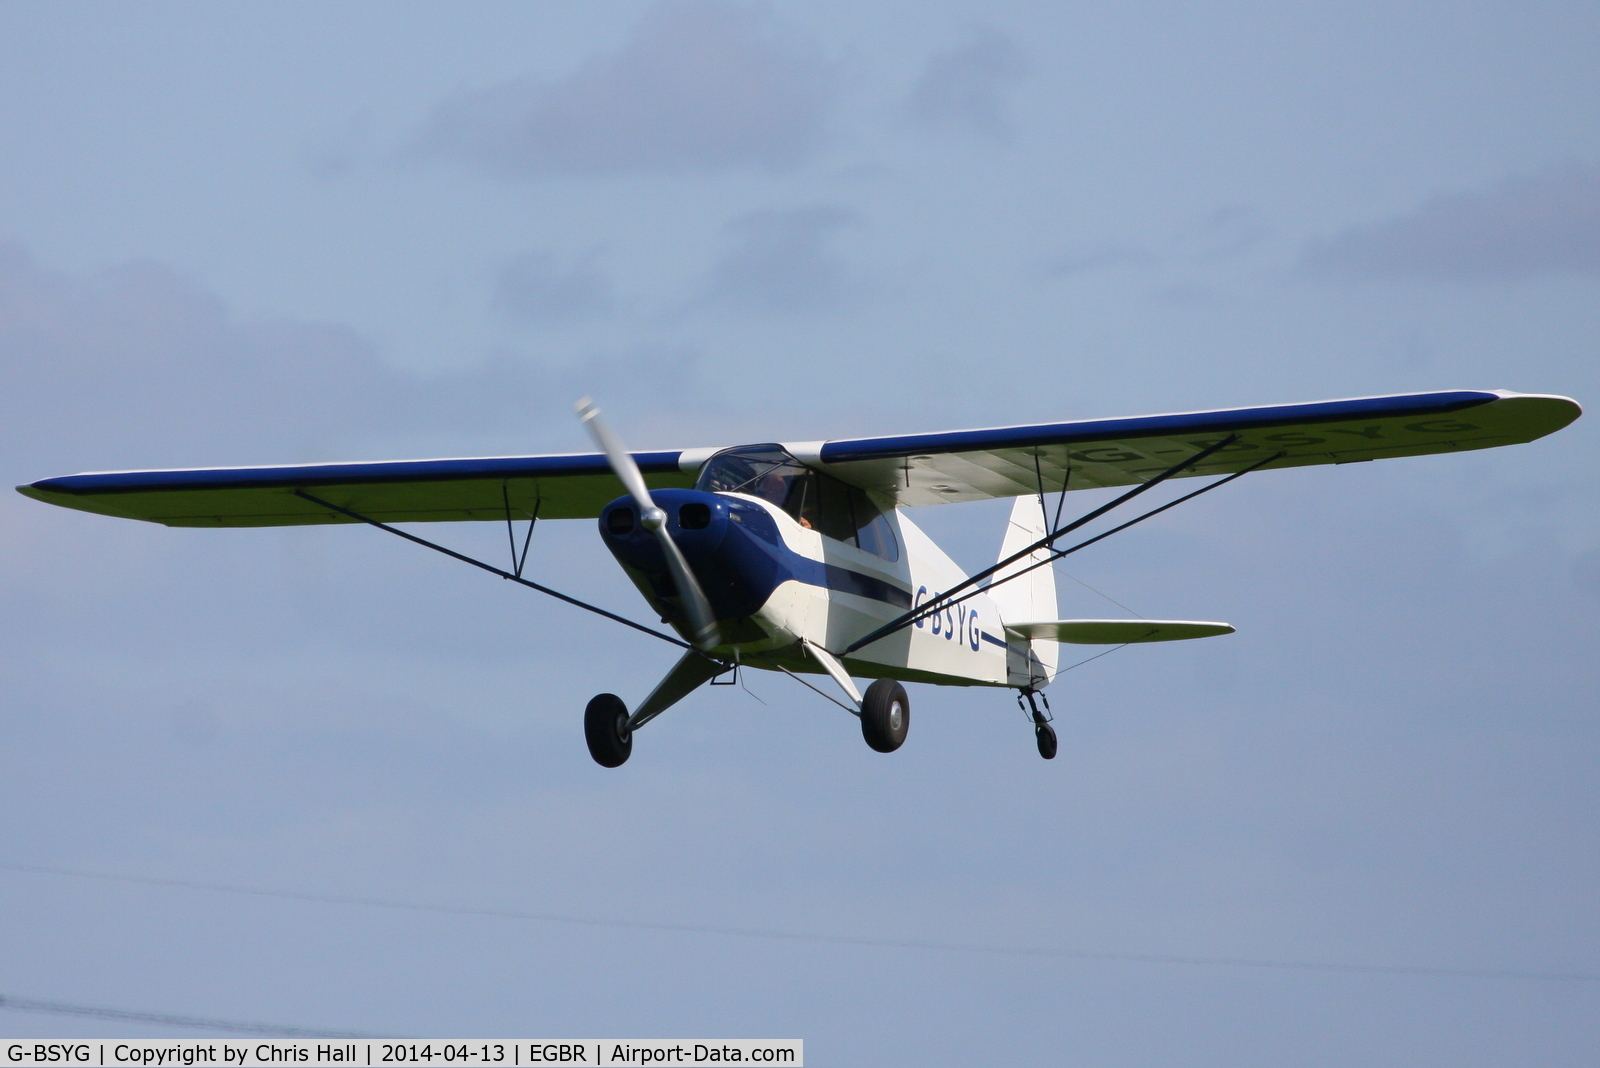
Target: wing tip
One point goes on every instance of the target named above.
(1550, 412)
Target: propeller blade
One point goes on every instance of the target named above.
(696, 607)
(619, 458)
(703, 624)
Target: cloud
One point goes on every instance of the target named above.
(780, 263)
(965, 86)
(138, 367)
(699, 86)
(1227, 233)
(535, 289)
(1546, 223)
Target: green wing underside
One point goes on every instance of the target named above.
(561, 496)
(939, 473)
(911, 470)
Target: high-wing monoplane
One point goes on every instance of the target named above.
(800, 557)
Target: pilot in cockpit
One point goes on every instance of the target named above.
(789, 490)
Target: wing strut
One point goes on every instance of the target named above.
(558, 595)
(941, 601)
(518, 562)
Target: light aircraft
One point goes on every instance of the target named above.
(799, 557)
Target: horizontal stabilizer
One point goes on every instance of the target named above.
(1115, 631)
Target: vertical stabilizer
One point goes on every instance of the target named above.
(1030, 598)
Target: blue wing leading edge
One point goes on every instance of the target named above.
(913, 469)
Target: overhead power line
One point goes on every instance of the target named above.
(62, 1008)
(1047, 952)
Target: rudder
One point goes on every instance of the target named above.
(1029, 598)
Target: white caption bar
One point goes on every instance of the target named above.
(382, 1053)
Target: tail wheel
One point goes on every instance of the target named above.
(885, 715)
(1045, 735)
(605, 728)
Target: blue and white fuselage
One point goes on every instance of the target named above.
(776, 580)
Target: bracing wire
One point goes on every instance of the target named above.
(1047, 952)
(163, 1019)
(1052, 523)
(1096, 656)
(825, 695)
(1097, 593)
(946, 598)
(517, 578)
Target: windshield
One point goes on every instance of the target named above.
(764, 471)
(816, 501)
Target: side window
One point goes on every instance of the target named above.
(873, 532)
(822, 504)
(801, 501)
(842, 512)
(835, 519)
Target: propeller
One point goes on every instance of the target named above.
(703, 624)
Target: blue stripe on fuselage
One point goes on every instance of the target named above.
(740, 556)
(843, 580)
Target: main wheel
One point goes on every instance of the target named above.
(1045, 735)
(885, 715)
(605, 728)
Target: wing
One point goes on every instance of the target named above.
(1115, 631)
(961, 465)
(574, 486)
(967, 465)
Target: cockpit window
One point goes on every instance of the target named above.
(764, 471)
(816, 501)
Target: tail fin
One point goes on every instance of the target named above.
(1028, 598)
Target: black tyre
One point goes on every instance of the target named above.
(605, 728)
(1045, 735)
(885, 715)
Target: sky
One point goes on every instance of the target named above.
(300, 232)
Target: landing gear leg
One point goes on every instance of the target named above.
(1043, 733)
(608, 728)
